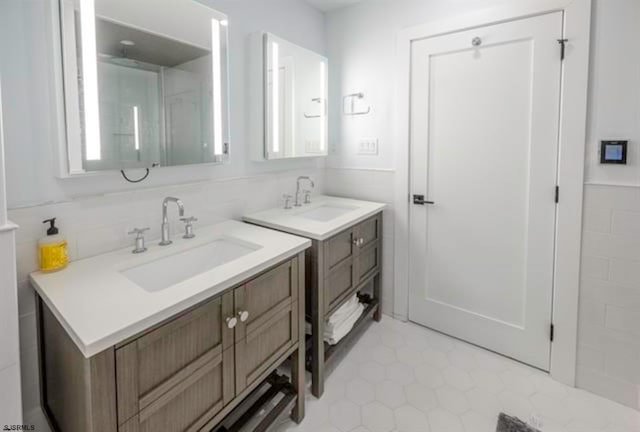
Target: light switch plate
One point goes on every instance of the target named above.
(368, 147)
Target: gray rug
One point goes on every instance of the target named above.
(513, 424)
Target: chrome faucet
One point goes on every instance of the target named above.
(166, 240)
(298, 194)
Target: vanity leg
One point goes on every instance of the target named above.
(317, 320)
(317, 361)
(298, 359)
(377, 316)
(298, 381)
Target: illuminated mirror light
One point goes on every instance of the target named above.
(136, 128)
(275, 96)
(323, 96)
(217, 87)
(90, 80)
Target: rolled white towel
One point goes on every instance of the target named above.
(344, 312)
(334, 334)
(339, 316)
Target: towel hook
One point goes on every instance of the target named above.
(352, 98)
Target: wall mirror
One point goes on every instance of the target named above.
(145, 84)
(294, 84)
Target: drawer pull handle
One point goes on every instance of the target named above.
(244, 316)
(356, 242)
(232, 322)
(361, 242)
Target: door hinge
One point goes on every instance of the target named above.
(557, 194)
(563, 47)
(551, 332)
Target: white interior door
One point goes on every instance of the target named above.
(484, 148)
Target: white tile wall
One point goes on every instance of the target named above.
(10, 396)
(609, 328)
(371, 185)
(99, 224)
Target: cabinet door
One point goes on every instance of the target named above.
(271, 301)
(368, 232)
(191, 403)
(339, 248)
(155, 364)
(338, 285)
(263, 297)
(369, 254)
(367, 262)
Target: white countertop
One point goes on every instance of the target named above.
(99, 307)
(293, 222)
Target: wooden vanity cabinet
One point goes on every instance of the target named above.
(338, 268)
(186, 373)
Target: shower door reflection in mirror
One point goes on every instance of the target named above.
(143, 89)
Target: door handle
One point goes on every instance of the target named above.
(419, 200)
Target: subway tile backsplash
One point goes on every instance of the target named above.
(609, 327)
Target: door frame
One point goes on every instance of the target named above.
(572, 143)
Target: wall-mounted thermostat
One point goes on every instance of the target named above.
(613, 152)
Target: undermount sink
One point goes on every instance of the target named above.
(165, 272)
(327, 212)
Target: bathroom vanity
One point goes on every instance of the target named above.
(158, 341)
(345, 258)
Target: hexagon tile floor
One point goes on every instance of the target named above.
(405, 378)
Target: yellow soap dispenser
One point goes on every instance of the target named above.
(52, 249)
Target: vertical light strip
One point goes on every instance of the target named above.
(136, 128)
(217, 87)
(90, 80)
(275, 97)
(323, 108)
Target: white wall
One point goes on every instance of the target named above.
(10, 398)
(361, 48)
(96, 212)
(614, 92)
(361, 42)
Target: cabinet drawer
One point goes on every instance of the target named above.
(338, 284)
(190, 404)
(367, 261)
(368, 231)
(264, 344)
(153, 364)
(265, 296)
(339, 248)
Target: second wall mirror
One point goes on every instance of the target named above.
(291, 100)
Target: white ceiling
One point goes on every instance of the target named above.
(327, 5)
